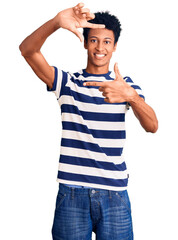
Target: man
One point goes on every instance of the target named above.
(92, 173)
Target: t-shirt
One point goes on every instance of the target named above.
(93, 132)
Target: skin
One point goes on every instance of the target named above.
(100, 42)
(70, 19)
(118, 91)
(100, 47)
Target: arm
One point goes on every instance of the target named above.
(144, 113)
(70, 19)
(30, 50)
(118, 91)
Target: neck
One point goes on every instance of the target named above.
(97, 69)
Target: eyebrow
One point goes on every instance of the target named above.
(104, 38)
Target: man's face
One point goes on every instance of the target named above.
(100, 47)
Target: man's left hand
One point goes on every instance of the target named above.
(116, 91)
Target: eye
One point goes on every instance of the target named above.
(93, 40)
(107, 42)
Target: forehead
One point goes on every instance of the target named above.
(101, 33)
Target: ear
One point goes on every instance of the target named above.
(115, 47)
(85, 44)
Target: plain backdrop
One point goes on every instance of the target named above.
(30, 121)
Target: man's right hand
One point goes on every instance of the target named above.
(71, 19)
(76, 17)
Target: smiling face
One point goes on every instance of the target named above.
(100, 47)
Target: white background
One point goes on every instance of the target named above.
(30, 116)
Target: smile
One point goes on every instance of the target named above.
(99, 56)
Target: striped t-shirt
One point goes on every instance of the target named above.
(93, 132)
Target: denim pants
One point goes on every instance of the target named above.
(81, 211)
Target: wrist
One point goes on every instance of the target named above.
(133, 97)
(56, 21)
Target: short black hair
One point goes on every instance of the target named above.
(111, 22)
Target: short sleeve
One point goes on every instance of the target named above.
(137, 88)
(60, 80)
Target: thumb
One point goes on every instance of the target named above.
(116, 70)
(78, 34)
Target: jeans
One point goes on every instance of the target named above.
(79, 211)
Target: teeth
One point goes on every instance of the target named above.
(100, 55)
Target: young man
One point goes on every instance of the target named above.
(92, 172)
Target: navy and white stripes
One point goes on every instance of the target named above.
(93, 132)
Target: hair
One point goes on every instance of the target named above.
(111, 22)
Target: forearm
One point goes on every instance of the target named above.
(144, 113)
(34, 42)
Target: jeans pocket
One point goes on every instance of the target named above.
(60, 199)
(124, 199)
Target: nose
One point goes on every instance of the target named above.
(99, 46)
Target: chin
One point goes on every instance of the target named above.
(101, 64)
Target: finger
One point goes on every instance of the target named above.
(78, 8)
(116, 70)
(105, 94)
(106, 100)
(78, 34)
(88, 15)
(93, 25)
(79, 5)
(85, 10)
(82, 13)
(101, 89)
(96, 84)
(105, 90)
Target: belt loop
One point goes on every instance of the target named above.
(110, 194)
(72, 193)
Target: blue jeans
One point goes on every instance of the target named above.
(79, 211)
